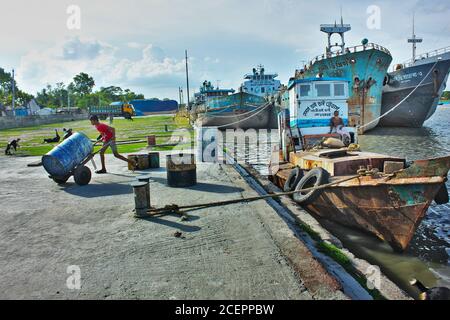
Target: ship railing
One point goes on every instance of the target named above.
(349, 50)
(430, 54)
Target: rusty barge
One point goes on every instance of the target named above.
(388, 200)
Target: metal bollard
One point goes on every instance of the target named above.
(146, 178)
(140, 198)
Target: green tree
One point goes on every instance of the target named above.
(83, 84)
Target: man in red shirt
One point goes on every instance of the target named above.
(108, 136)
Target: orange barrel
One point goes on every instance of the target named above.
(141, 160)
(181, 170)
(151, 141)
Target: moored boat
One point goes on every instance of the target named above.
(377, 193)
(251, 108)
(411, 93)
(389, 204)
(365, 66)
(237, 111)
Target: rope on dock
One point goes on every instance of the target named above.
(173, 208)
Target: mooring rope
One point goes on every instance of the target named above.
(252, 115)
(173, 208)
(210, 114)
(396, 106)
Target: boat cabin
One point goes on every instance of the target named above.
(312, 104)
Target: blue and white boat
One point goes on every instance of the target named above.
(312, 103)
(261, 83)
(365, 66)
(250, 108)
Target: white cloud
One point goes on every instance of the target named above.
(66, 59)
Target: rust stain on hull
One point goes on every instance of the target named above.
(390, 207)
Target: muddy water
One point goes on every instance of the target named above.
(428, 257)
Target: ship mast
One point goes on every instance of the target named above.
(414, 40)
(331, 29)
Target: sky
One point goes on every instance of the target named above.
(140, 44)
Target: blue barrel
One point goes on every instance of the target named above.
(65, 157)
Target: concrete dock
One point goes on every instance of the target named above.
(229, 252)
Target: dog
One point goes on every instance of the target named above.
(13, 145)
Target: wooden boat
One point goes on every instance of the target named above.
(389, 200)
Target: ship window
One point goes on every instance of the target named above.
(304, 90)
(263, 90)
(323, 90)
(339, 90)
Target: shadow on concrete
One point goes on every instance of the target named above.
(215, 188)
(98, 190)
(203, 186)
(174, 224)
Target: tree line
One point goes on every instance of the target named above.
(78, 93)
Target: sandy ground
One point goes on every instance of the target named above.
(224, 253)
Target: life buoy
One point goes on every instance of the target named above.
(442, 195)
(314, 178)
(293, 179)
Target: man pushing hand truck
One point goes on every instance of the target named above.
(108, 136)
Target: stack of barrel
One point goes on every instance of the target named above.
(145, 161)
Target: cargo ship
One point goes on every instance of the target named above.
(250, 108)
(412, 92)
(364, 66)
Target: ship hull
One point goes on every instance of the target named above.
(238, 111)
(422, 103)
(371, 209)
(366, 71)
(390, 207)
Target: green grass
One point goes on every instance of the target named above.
(32, 137)
(337, 255)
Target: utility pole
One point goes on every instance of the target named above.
(13, 94)
(68, 98)
(179, 97)
(187, 82)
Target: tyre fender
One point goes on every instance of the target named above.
(314, 178)
(293, 179)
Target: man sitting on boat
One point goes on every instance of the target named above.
(337, 126)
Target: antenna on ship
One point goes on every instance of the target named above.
(414, 40)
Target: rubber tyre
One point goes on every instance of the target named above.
(82, 176)
(442, 195)
(314, 178)
(293, 179)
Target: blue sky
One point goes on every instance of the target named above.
(140, 44)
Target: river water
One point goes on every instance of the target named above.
(428, 257)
